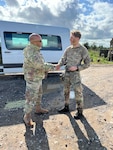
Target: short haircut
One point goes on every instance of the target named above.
(33, 35)
(76, 33)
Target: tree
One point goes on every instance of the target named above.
(93, 46)
(87, 45)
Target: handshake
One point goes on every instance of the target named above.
(57, 67)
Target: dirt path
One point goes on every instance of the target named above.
(56, 131)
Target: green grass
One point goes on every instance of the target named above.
(96, 59)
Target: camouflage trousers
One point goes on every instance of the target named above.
(33, 95)
(73, 80)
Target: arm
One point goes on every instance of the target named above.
(49, 67)
(62, 61)
(86, 60)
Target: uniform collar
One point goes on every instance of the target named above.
(76, 46)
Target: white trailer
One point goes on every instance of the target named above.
(14, 37)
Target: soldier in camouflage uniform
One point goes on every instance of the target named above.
(75, 59)
(34, 72)
(110, 52)
(111, 44)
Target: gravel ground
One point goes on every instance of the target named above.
(54, 131)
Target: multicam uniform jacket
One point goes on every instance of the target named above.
(75, 57)
(34, 65)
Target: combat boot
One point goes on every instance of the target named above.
(64, 110)
(79, 113)
(40, 110)
(28, 121)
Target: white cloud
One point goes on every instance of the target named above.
(93, 18)
(57, 6)
(98, 24)
(12, 3)
(57, 12)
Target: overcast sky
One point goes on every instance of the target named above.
(94, 18)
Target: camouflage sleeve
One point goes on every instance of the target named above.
(85, 60)
(62, 61)
(33, 58)
(37, 64)
(49, 67)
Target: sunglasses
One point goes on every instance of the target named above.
(38, 41)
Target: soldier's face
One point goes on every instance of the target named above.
(74, 40)
(37, 41)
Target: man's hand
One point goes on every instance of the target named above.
(57, 67)
(73, 68)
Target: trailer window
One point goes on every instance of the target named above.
(15, 41)
(18, 41)
(51, 42)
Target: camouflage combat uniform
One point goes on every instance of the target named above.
(74, 57)
(34, 72)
